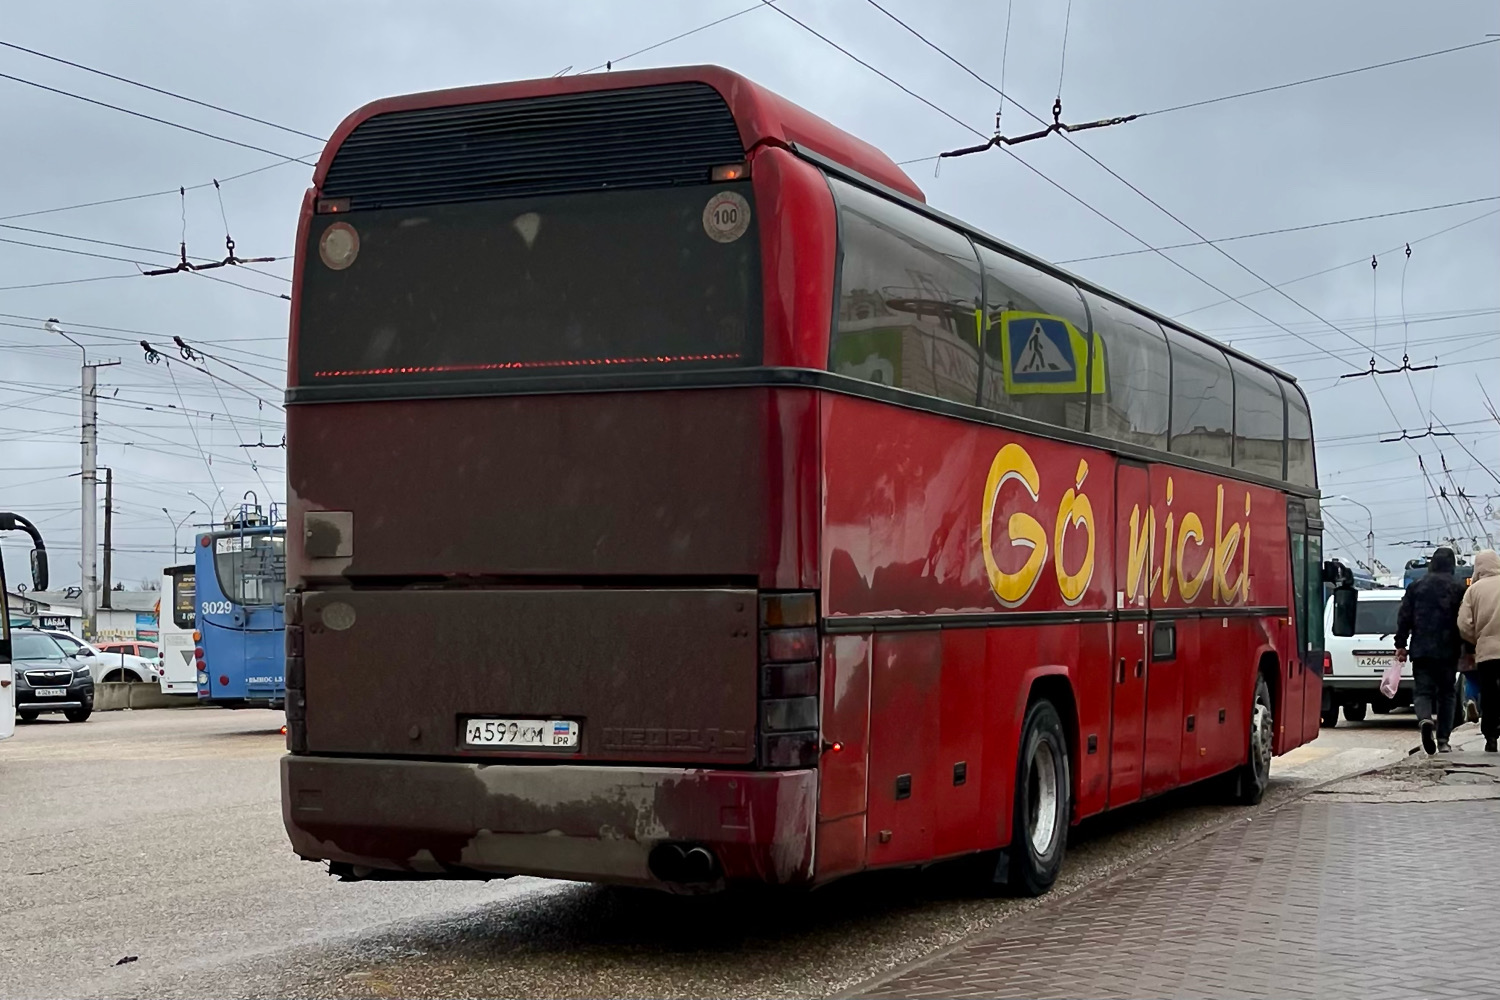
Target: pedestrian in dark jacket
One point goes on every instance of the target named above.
(1429, 618)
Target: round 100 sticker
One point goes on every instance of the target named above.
(726, 217)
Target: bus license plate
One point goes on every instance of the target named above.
(50, 692)
(546, 733)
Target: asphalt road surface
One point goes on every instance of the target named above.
(153, 839)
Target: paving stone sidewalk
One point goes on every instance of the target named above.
(1382, 886)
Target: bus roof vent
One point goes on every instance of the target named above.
(640, 137)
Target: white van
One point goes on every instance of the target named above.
(1354, 664)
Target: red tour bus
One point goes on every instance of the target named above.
(678, 500)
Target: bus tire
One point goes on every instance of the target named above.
(1249, 780)
(1043, 802)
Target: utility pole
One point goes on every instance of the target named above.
(109, 520)
(90, 498)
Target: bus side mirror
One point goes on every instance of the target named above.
(39, 569)
(1345, 600)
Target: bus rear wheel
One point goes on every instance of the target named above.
(1248, 781)
(1043, 802)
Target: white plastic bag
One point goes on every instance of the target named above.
(1390, 681)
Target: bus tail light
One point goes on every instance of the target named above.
(296, 675)
(730, 172)
(789, 681)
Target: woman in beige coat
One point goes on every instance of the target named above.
(1479, 625)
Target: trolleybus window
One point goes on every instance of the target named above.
(184, 601)
(251, 568)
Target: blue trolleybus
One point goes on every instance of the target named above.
(240, 581)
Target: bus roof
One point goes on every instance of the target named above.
(760, 115)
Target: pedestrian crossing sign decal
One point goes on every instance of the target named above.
(1041, 353)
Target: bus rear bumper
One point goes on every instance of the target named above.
(443, 819)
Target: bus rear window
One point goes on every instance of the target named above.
(251, 568)
(184, 603)
(606, 281)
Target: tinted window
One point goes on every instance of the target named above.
(1315, 591)
(1375, 617)
(1299, 585)
(34, 646)
(1258, 420)
(608, 281)
(1035, 344)
(1132, 353)
(1202, 400)
(1300, 468)
(908, 296)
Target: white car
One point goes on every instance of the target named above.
(1353, 664)
(107, 666)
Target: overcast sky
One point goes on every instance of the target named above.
(1405, 137)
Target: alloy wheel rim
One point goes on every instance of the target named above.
(1043, 789)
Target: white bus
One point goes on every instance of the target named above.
(175, 619)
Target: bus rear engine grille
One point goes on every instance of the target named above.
(641, 137)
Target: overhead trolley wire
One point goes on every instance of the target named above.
(609, 64)
(1179, 265)
(153, 118)
(163, 92)
(1318, 79)
(1286, 229)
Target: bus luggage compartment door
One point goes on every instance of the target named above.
(646, 675)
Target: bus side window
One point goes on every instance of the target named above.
(908, 293)
(1259, 421)
(1202, 400)
(1035, 343)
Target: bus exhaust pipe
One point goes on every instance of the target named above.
(683, 864)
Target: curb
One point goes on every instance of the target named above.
(113, 696)
(1129, 868)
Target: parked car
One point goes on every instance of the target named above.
(108, 666)
(1354, 663)
(48, 678)
(145, 650)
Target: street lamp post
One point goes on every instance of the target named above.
(176, 528)
(1370, 537)
(211, 506)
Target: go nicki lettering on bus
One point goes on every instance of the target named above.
(1185, 556)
